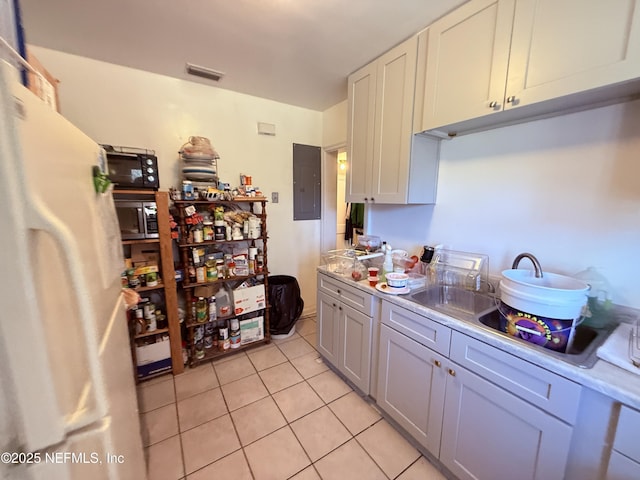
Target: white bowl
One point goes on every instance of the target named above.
(397, 280)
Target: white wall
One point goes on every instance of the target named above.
(334, 125)
(566, 189)
(124, 106)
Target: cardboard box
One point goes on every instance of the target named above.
(247, 300)
(154, 358)
(251, 330)
(154, 352)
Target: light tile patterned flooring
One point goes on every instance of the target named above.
(273, 412)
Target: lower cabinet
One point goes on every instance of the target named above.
(345, 338)
(489, 433)
(411, 386)
(478, 429)
(624, 463)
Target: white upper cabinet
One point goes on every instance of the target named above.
(501, 61)
(386, 164)
(362, 111)
(467, 60)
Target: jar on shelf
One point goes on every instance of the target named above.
(207, 230)
(198, 234)
(222, 269)
(201, 274)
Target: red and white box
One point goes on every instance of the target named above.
(250, 299)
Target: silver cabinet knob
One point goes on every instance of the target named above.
(511, 99)
(494, 105)
(437, 363)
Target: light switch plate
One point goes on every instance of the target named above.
(274, 197)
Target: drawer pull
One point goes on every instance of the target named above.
(452, 372)
(339, 292)
(437, 363)
(340, 308)
(512, 99)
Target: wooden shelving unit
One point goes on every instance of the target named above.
(167, 286)
(189, 286)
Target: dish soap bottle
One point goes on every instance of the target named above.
(387, 266)
(600, 308)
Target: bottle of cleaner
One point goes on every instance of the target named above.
(387, 266)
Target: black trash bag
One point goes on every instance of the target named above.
(286, 304)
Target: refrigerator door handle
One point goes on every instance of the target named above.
(45, 220)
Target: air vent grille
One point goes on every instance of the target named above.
(204, 72)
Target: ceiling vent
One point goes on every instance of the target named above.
(204, 72)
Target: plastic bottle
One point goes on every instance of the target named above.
(600, 311)
(387, 266)
(223, 302)
(213, 313)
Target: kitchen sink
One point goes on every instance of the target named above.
(581, 351)
(454, 301)
(481, 310)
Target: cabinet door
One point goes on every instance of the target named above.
(355, 345)
(328, 327)
(622, 468)
(467, 59)
(362, 104)
(561, 47)
(488, 433)
(411, 386)
(396, 80)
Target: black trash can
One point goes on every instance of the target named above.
(286, 304)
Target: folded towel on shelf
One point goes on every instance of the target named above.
(616, 349)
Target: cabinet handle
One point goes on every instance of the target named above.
(339, 292)
(366, 199)
(452, 372)
(437, 363)
(334, 305)
(372, 199)
(511, 99)
(340, 308)
(493, 104)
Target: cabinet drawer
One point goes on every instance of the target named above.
(355, 298)
(421, 329)
(538, 386)
(626, 441)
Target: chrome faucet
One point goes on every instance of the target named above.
(534, 260)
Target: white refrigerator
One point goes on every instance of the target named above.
(68, 407)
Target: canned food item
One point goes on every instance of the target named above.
(234, 333)
(223, 339)
(152, 279)
(198, 334)
(198, 235)
(200, 350)
(149, 308)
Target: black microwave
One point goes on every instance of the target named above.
(137, 219)
(132, 168)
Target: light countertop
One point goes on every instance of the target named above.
(603, 377)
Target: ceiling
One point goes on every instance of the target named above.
(297, 52)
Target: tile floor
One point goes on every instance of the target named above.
(273, 412)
